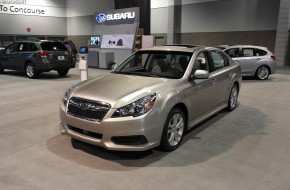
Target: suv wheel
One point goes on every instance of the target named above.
(262, 72)
(30, 71)
(173, 130)
(62, 73)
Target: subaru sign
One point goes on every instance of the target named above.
(101, 18)
(116, 18)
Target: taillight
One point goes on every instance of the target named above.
(42, 54)
(273, 57)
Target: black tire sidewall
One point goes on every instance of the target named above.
(164, 144)
(63, 72)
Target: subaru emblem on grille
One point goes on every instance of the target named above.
(85, 106)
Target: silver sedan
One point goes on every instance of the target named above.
(151, 98)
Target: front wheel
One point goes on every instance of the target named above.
(173, 130)
(233, 98)
(262, 72)
(62, 73)
(30, 71)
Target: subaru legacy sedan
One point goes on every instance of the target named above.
(151, 98)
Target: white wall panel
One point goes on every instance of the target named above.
(87, 7)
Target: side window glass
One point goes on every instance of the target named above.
(22, 47)
(201, 62)
(218, 60)
(248, 52)
(259, 52)
(32, 47)
(234, 52)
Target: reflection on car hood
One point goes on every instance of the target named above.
(118, 89)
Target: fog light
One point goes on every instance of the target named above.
(62, 129)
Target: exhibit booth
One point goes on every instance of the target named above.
(114, 37)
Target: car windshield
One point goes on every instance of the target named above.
(53, 46)
(165, 64)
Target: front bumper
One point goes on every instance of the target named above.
(123, 134)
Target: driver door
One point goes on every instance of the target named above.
(10, 56)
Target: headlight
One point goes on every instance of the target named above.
(68, 93)
(136, 108)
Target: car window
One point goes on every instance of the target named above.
(248, 52)
(53, 46)
(12, 48)
(259, 52)
(23, 46)
(201, 62)
(218, 60)
(156, 63)
(233, 52)
(32, 47)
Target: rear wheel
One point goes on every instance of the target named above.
(30, 71)
(63, 72)
(262, 72)
(173, 130)
(233, 98)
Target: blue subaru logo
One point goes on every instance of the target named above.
(101, 18)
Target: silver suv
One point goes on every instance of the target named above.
(151, 98)
(35, 57)
(255, 61)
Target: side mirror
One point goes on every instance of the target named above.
(199, 74)
(112, 65)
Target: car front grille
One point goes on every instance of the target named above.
(87, 109)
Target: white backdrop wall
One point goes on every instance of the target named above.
(217, 15)
(52, 22)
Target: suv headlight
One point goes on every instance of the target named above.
(67, 93)
(136, 108)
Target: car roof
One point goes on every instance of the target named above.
(181, 47)
(246, 46)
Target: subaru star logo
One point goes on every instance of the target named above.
(84, 106)
(101, 18)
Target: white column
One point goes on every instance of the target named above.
(282, 32)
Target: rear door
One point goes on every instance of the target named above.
(220, 77)
(248, 60)
(22, 55)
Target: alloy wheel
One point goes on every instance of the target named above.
(263, 73)
(234, 97)
(175, 129)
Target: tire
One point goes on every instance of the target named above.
(30, 71)
(233, 98)
(173, 130)
(262, 72)
(1, 70)
(62, 73)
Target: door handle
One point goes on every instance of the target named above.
(213, 81)
(258, 59)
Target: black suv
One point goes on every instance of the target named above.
(35, 57)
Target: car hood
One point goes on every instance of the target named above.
(118, 89)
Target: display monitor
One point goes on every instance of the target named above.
(95, 41)
(83, 50)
